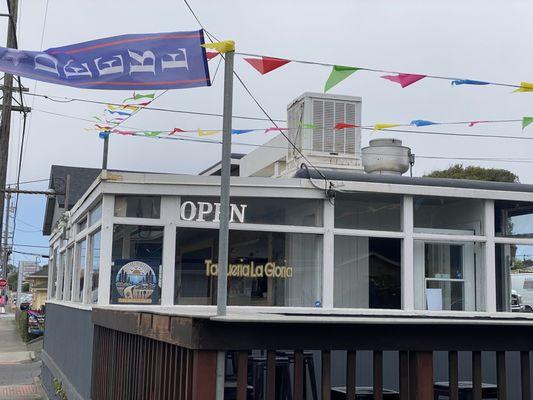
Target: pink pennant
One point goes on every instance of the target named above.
(342, 125)
(275, 129)
(404, 79)
(266, 64)
(471, 124)
(121, 132)
(211, 54)
(176, 130)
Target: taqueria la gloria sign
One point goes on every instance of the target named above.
(251, 270)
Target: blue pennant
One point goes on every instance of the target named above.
(421, 122)
(468, 82)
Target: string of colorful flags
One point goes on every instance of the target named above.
(106, 130)
(266, 64)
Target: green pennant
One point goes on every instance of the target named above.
(526, 121)
(306, 126)
(338, 74)
(153, 133)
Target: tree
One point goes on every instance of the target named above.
(458, 171)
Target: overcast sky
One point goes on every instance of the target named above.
(477, 39)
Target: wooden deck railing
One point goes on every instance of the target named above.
(139, 355)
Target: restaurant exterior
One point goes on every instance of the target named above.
(409, 279)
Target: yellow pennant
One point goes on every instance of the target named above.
(113, 108)
(132, 108)
(206, 133)
(524, 87)
(379, 127)
(221, 47)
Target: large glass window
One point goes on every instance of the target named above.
(138, 206)
(513, 218)
(448, 215)
(448, 276)
(375, 211)
(55, 266)
(367, 272)
(265, 268)
(78, 286)
(95, 214)
(253, 210)
(136, 264)
(94, 265)
(514, 277)
(60, 275)
(69, 269)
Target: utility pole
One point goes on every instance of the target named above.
(5, 246)
(5, 122)
(223, 238)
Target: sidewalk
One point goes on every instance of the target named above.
(18, 372)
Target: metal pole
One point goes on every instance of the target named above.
(106, 151)
(223, 236)
(20, 277)
(5, 255)
(5, 122)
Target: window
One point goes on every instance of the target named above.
(373, 211)
(252, 210)
(514, 277)
(60, 275)
(448, 276)
(367, 272)
(265, 268)
(513, 218)
(78, 286)
(448, 214)
(94, 264)
(95, 214)
(138, 206)
(55, 266)
(136, 264)
(82, 225)
(68, 274)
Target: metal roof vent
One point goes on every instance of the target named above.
(387, 157)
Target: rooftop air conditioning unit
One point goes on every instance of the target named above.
(311, 121)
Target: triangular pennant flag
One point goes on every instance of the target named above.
(130, 107)
(422, 122)
(526, 121)
(144, 96)
(125, 133)
(152, 133)
(97, 118)
(103, 127)
(468, 82)
(211, 54)
(119, 112)
(241, 131)
(275, 129)
(404, 79)
(113, 107)
(379, 127)
(222, 47)
(337, 75)
(342, 125)
(206, 133)
(471, 124)
(175, 130)
(266, 64)
(524, 87)
(306, 126)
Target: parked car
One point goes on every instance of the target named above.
(516, 302)
(522, 285)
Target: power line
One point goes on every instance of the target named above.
(30, 245)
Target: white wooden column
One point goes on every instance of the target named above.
(490, 258)
(169, 215)
(408, 289)
(106, 246)
(328, 255)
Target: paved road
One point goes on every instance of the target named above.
(17, 369)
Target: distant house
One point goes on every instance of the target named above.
(38, 286)
(80, 180)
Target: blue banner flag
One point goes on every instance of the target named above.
(146, 61)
